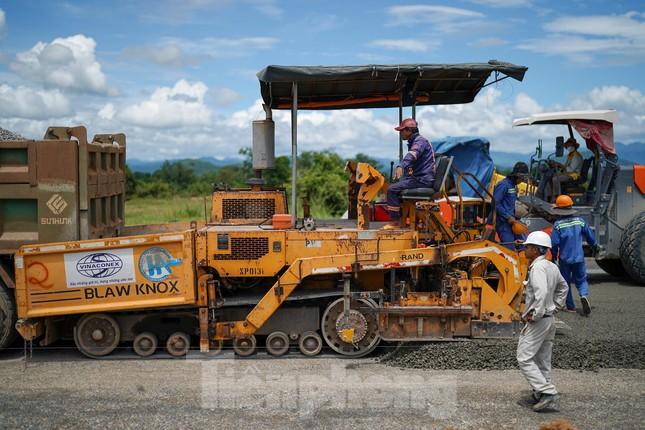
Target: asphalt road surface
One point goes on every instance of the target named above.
(59, 388)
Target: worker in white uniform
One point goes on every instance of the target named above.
(545, 291)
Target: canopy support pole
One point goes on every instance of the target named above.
(400, 121)
(294, 150)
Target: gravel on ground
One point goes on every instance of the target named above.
(9, 135)
(611, 337)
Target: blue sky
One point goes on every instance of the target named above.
(178, 77)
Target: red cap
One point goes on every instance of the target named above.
(406, 123)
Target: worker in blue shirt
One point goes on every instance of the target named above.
(505, 196)
(568, 233)
(416, 169)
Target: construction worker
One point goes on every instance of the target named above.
(551, 184)
(545, 291)
(568, 233)
(416, 169)
(505, 196)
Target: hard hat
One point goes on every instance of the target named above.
(520, 169)
(563, 201)
(538, 238)
(407, 123)
(519, 228)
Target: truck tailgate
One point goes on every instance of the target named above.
(115, 274)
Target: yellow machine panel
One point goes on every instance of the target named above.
(250, 251)
(126, 273)
(365, 244)
(232, 207)
(245, 251)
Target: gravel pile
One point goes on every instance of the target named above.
(612, 337)
(9, 135)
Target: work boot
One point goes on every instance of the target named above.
(586, 307)
(546, 401)
(532, 399)
(529, 401)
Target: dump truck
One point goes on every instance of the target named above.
(60, 188)
(608, 195)
(257, 275)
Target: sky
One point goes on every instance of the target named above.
(179, 77)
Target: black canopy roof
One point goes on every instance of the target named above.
(377, 86)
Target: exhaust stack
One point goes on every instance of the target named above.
(263, 152)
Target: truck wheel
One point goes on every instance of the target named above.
(612, 266)
(97, 335)
(7, 317)
(632, 248)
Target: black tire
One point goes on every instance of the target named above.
(7, 317)
(612, 266)
(632, 248)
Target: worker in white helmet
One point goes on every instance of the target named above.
(545, 291)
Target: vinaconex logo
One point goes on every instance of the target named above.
(99, 265)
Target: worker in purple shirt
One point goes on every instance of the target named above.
(416, 169)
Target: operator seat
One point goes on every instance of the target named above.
(410, 196)
(577, 186)
(441, 174)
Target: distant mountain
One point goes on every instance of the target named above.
(632, 153)
(199, 165)
(628, 154)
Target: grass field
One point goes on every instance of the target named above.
(155, 211)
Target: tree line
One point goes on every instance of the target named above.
(322, 179)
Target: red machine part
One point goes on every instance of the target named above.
(639, 177)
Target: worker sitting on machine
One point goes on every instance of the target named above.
(559, 174)
(508, 228)
(416, 169)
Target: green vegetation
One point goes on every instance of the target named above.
(150, 210)
(177, 190)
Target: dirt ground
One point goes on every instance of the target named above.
(59, 388)
(300, 393)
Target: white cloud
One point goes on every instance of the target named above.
(176, 52)
(227, 47)
(3, 21)
(164, 54)
(107, 112)
(442, 18)
(224, 96)
(176, 122)
(28, 103)
(176, 12)
(629, 25)
(67, 63)
(267, 7)
(630, 104)
(503, 3)
(411, 45)
(581, 38)
(524, 105)
(181, 105)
